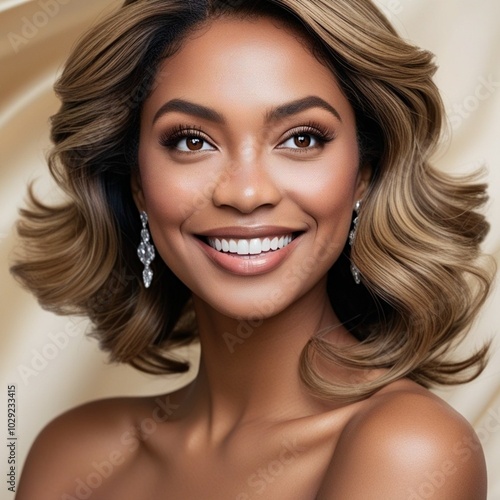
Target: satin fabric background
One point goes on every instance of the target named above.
(50, 360)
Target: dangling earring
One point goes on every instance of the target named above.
(146, 251)
(352, 237)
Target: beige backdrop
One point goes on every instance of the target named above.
(49, 359)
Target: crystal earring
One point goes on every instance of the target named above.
(146, 251)
(352, 237)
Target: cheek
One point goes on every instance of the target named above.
(171, 192)
(329, 197)
(327, 192)
(171, 201)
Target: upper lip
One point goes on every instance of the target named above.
(248, 232)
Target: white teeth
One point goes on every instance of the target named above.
(254, 246)
(243, 247)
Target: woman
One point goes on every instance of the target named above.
(264, 165)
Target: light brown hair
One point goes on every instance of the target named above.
(417, 244)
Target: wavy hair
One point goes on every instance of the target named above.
(417, 244)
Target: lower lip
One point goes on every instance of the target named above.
(249, 265)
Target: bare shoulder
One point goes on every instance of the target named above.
(88, 444)
(406, 444)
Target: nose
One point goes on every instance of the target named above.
(246, 186)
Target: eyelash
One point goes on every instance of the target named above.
(316, 130)
(171, 138)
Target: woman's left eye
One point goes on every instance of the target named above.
(301, 141)
(306, 138)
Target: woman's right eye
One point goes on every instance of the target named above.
(187, 141)
(192, 143)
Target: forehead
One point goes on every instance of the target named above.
(258, 60)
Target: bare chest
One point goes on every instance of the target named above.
(288, 468)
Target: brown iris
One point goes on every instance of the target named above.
(302, 141)
(194, 143)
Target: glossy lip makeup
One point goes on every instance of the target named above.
(249, 252)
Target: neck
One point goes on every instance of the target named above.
(249, 369)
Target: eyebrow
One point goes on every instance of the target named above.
(275, 114)
(189, 108)
(294, 107)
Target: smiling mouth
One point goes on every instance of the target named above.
(253, 246)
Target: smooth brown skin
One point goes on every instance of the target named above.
(246, 427)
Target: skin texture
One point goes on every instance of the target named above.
(246, 427)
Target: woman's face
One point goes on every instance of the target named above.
(248, 167)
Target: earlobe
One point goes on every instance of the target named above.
(137, 192)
